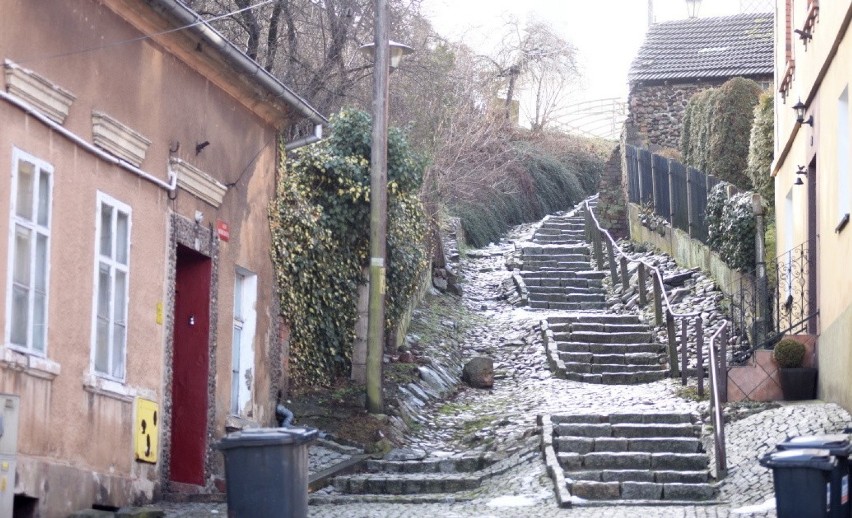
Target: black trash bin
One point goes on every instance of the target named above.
(837, 445)
(266, 472)
(802, 481)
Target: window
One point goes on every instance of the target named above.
(788, 243)
(242, 353)
(112, 263)
(29, 252)
(843, 137)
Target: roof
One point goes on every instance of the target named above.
(718, 47)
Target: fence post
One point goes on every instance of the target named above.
(671, 193)
(639, 176)
(683, 352)
(699, 354)
(690, 220)
(671, 332)
(655, 196)
(625, 277)
(658, 297)
(613, 270)
(587, 229)
(643, 285)
(598, 247)
(723, 366)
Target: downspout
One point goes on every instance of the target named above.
(168, 186)
(317, 136)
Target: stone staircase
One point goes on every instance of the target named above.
(638, 457)
(426, 480)
(560, 230)
(613, 349)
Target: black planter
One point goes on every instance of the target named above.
(798, 384)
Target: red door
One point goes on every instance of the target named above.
(190, 367)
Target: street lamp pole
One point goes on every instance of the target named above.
(378, 212)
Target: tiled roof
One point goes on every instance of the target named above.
(724, 46)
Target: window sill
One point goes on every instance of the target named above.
(29, 364)
(115, 389)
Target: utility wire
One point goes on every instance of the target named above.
(148, 36)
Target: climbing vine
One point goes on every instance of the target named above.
(320, 226)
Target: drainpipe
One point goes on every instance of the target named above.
(170, 185)
(316, 137)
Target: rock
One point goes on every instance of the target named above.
(439, 283)
(402, 454)
(678, 279)
(479, 372)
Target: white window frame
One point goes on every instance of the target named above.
(37, 229)
(242, 350)
(114, 266)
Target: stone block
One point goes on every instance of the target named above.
(596, 490)
(574, 444)
(620, 460)
(139, 512)
(688, 491)
(627, 475)
(641, 491)
(604, 444)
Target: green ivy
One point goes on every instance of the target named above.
(731, 227)
(761, 151)
(320, 225)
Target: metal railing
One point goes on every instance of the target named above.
(619, 271)
(719, 395)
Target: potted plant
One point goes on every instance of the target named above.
(797, 382)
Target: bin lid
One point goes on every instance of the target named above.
(252, 437)
(814, 458)
(837, 443)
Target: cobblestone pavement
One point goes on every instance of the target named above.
(523, 389)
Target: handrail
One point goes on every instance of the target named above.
(718, 368)
(661, 298)
(716, 400)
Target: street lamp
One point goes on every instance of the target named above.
(387, 55)
(397, 51)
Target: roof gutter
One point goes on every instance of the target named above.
(237, 58)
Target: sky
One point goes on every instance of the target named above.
(606, 33)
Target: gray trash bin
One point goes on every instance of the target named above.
(266, 472)
(802, 482)
(837, 445)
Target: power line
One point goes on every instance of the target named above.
(148, 36)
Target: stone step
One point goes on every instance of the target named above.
(533, 250)
(618, 378)
(559, 237)
(613, 444)
(563, 290)
(560, 230)
(647, 359)
(626, 430)
(608, 368)
(596, 348)
(563, 321)
(627, 417)
(640, 475)
(611, 338)
(632, 461)
(561, 256)
(406, 484)
(554, 265)
(568, 306)
(449, 465)
(569, 297)
(600, 327)
(642, 491)
(531, 280)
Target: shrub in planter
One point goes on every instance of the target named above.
(797, 382)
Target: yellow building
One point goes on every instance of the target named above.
(813, 196)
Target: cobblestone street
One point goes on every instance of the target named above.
(504, 419)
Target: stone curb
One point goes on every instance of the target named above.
(557, 366)
(563, 496)
(521, 287)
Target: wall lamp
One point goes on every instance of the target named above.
(800, 114)
(800, 171)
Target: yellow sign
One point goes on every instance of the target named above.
(146, 432)
(159, 316)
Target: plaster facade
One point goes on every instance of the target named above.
(76, 433)
(817, 72)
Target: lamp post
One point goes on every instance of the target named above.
(386, 56)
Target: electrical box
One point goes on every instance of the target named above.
(9, 410)
(146, 432)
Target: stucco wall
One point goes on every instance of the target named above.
(151, 91)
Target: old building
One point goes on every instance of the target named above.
(139, 310)
(682, 57)
(813, 194)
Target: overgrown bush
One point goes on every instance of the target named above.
(548, 173)
(761, 149)
(715, 209)
(731, 227)
(320, 225)
(716, 129)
